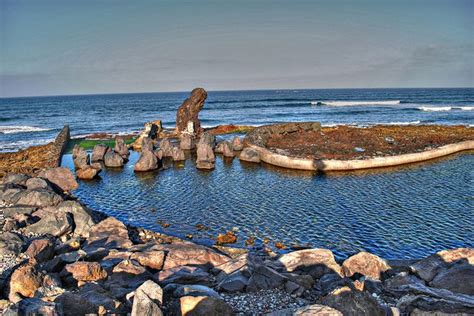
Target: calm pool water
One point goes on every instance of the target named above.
(407, 212)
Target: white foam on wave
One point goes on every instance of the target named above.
(444, 108)
(355, 103)
(21, 129)
(465, 108)
(400, 123)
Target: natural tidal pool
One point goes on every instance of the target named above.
(400, 213)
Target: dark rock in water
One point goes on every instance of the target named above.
(87, 173)
(166, 147)
(147, 161)
(37, 183)
(80, 157)
(152, 130)
(353, 302)
(61, 177)
(41, 249)
(10, 244)
(186, 141)
(99, 152)
(205, 156)
(237, 143)
(147, 300)
(177, 154)
(121, 148)
(189, 112)
(203, 305)
(113, 160)
(458, 278)
(250, 155)
(366, 264)
(219, 148)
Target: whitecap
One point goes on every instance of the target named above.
(21, 129)
(465, 108)
(356, 103)
(435, 108)
(401, 123)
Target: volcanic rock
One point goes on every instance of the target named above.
(147, 161)
(80, 157)
(186, 141)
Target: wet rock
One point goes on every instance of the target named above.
(99, 152)
(166, 147)
(53, 223)
(147, 300)
(227, 150)
(237, 143)
(10, 244)
(35, 306)
(189, 111)
(37, 183)
(366, 264)
(315, 262)
(86, 271)
(203, 305)
(24, 282)
(41, 250)
(250, 155)
(152, 131)
(427, 268)
(183, 275)
(458, 278)
(80, 157)
(109, 233)
(151, 259)
(227, 238)
(87, 173)
(186, 141)
(205, 156)
(310, 310)
(219, 148)
(38, 197)
(121, 148)
(353, 302)
(62, 177)
(177, 154)
(194, 290)
(147, 161)
(113, 160)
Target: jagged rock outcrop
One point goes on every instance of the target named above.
(121, 148)
(188, 112)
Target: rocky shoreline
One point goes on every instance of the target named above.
(58, 257)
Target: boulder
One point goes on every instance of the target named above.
(88, 302)
(353, 302)
(86, 271)
(51, 223)
(208, 139)
(61, 177)
(186, 141)
(113, 160)
(203, 305)
(237, 143)
(87, 173)
(121, 148)
(37, 183)
(38, 197)
(189, 112)
(99, 152)
(147, 300)
(41, 250)
(250, 155)
(183, 275)
(315, 262)
(130, 267)
(80, 157)
(24, 282)
(205, 156)
(177, 154)
(458, 278)
(147, 161)
(366, 264)
(35, 306)
(264, 278)
(309, 310)
(109, 233)
(152, 259)
(194, 290)
(14, 211)
(166, 147)
(190, 254)
(235, 282)
(16, 178)
(227, 150)
(82, 216)
(10, 244)
(152, 130)
(147, 144)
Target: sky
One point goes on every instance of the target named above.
(56, 47)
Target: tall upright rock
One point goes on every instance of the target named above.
(188, 112)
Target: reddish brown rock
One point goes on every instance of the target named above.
(130, 267)
(109, 233)
(61, 177)
(227, 238)
(24, 282)
(189, 111)
(86, 271)
(41, 250)
(366, 264)
(151, 259)
(87, 173)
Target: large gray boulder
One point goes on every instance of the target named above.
(53, 223)
(113, 160)
(99, 152)
(147, 161)
(82, 217)
(458, 278)
(166, 147)
(38, 197)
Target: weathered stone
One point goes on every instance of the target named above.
(87, 302)
(315, 262)
(38, 197)
(186, 141)
(147, 300)
(87, 173)
(190, 254)
(366, 264)
(147, 161)
(183, 275)
(177, 154)
(159, 154)
(352, 302)
(10, 244)
(16, 178)
(35, 306)
(395, 283)
(428, 268)
(227, 150)
(41, 250)
(109, 233)
(205, 156)
(303, 280)
(24, 282)
(250, 155)
(59, 262)
(430, 303)
(82, 216)
(235, 282)
(264, 278)
(18, 210)
(166, 147)
(53, 223)
(189, 111)
(86, 271)
(37, 183)
(227, 238)
(458, 278)
(151, 259)
(152, 131)
(80, 157)
(203, 305)
(237, 264)
(147, 144)
(121, 148)
(310, 310)
(237, 143)
(129, 266)
(99, 152)
(194, 290)
(61, 177)
(208, 139)
(329, 282)
(113, 160)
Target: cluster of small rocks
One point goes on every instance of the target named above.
(59, 257)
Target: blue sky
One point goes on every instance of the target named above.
(52, 47)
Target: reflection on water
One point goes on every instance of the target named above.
(404, 212)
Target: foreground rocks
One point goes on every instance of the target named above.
(60, 258)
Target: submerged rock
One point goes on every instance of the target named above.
(250, 155)
(189, 111)
(227, 150)
(205, 156)
(177, 154)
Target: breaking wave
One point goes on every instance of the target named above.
(355, 103)
(21, 129)
(445, 108)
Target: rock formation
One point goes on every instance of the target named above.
(148, 160)
(121, 148)
(99, 152)
(152, 131)
(250, 155)
(189, 112)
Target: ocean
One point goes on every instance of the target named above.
(36, 120)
